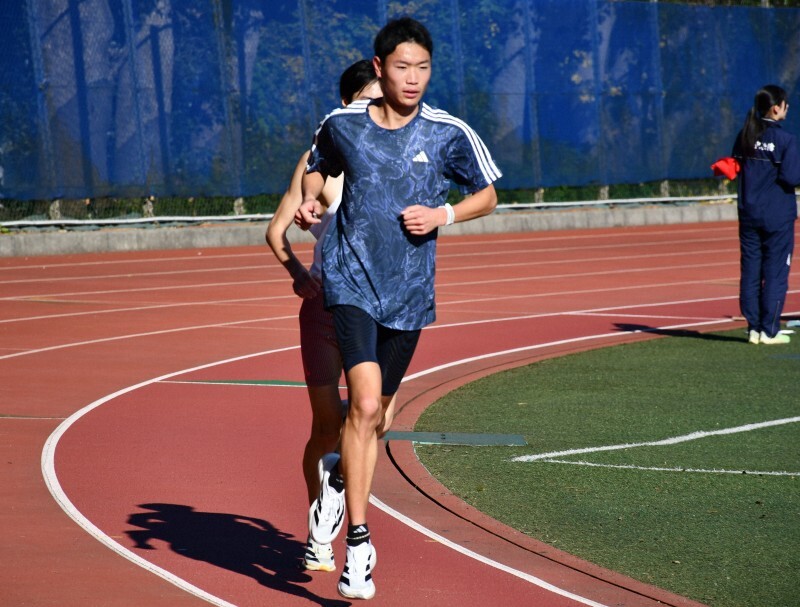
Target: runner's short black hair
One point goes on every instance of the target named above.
(355, 78)
(398, 31)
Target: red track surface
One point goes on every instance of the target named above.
(107, 363)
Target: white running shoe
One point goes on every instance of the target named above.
(326, 515)
(318, 557)
(753, 336)
(356, 581)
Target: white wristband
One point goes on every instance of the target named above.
(451, 214)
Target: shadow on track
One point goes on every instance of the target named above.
(242, 544)
(632, 328)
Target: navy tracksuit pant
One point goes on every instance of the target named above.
(766, 258)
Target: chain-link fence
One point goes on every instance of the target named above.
(205, 105)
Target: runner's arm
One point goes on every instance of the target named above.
(304, 284)
(311, 209)
(420, 220)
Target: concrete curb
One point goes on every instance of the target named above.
(230, 234)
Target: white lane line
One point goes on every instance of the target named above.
(534, 248)
(57, 491)
(199, 257)
(249, 384)
(90, 342)
(101, 277)
(266, 319)
(429, 328)
(663, 469)
(648, 316)
(541, 295)
(45, 296)
(27, 418)
(444, 243)
(51, 479)
(549, 344)
(440, 287)
(479, 557)
(282, 279)
(218, 302)
(539, 251)
(625, 271)
(605, 312)
(268, 267)
(585, 260)
(674, 440)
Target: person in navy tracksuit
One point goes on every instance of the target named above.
(770, 171)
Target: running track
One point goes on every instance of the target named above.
(151, 426)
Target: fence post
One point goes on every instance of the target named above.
(55, 210)
(238, 206)
(43, 122)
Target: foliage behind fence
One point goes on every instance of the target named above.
(208, 98)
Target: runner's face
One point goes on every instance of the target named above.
(371, 91)
(405, 74)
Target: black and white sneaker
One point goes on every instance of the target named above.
(318, 557)
(326, 515)
(356, 581)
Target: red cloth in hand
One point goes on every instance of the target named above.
(729, 167)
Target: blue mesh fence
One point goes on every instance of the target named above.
(219, 97)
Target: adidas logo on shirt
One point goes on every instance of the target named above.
(421, 157)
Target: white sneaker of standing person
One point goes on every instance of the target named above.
(779, 338)
(326, 515)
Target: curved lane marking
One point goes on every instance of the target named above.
(58, 493)
(53, 485)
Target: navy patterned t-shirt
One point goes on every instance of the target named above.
(369, 260)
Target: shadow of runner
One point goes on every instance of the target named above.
(244, 545)
(632, 328)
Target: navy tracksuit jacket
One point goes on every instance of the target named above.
(767, 212)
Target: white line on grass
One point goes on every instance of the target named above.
(667, 441)
(660, 469)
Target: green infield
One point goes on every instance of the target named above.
(674, 461)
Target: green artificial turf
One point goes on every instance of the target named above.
(727, 535)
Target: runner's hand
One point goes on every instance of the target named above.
(305, 285)
(308, 214)
(420, 220)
